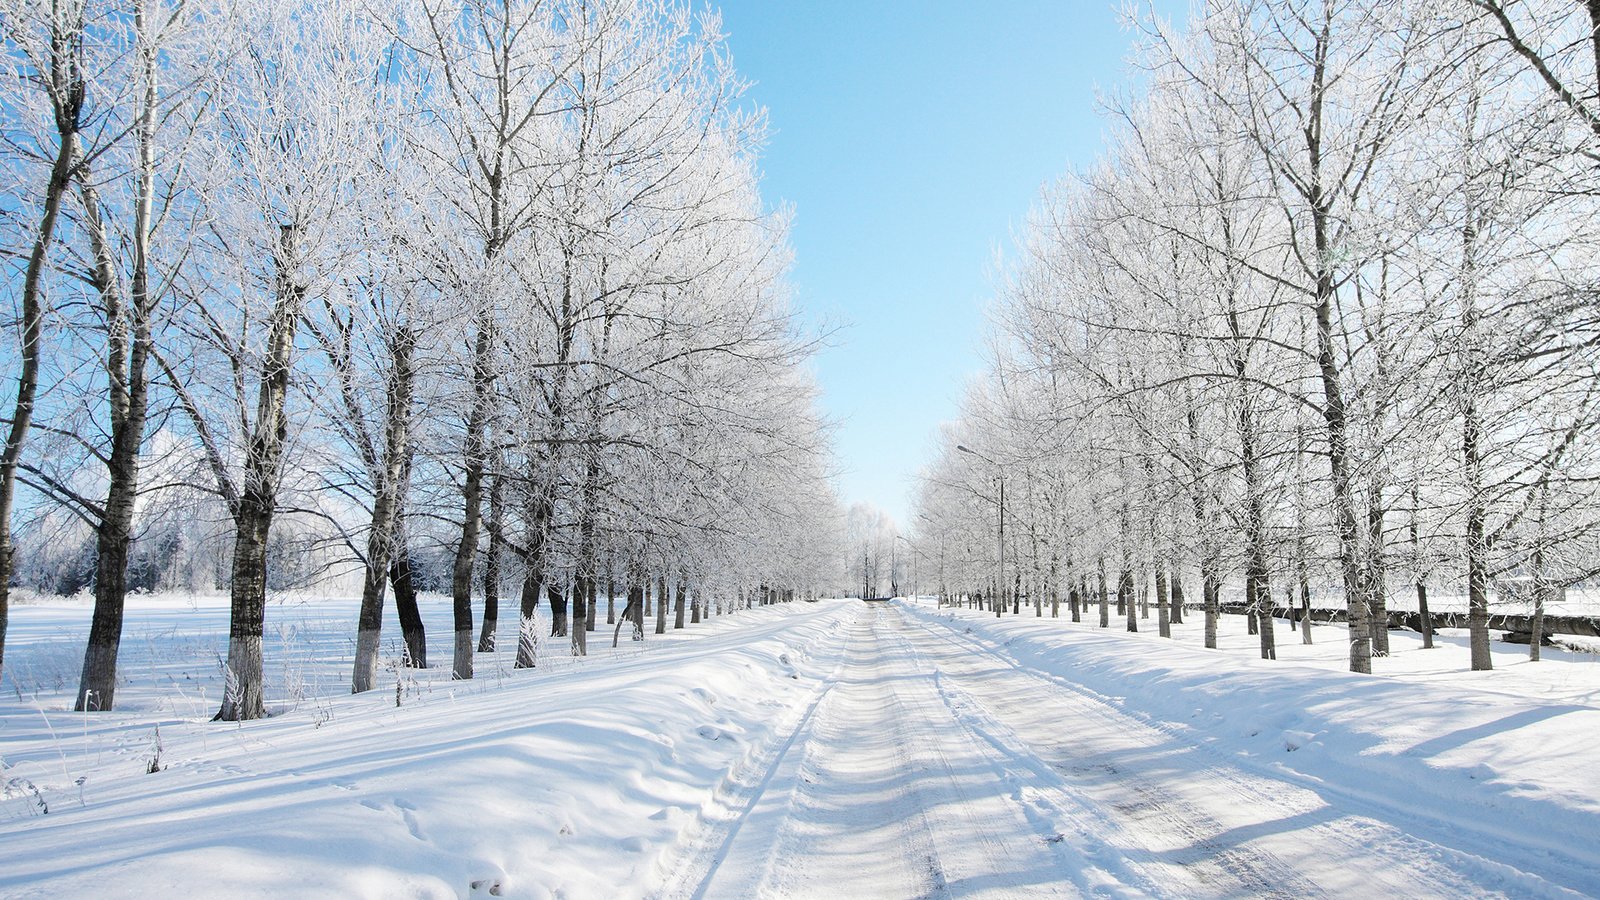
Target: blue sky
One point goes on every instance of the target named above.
(910, 138)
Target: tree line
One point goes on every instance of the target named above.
(473, 295)
(1322, 317)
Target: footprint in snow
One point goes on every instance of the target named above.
(709, 732)
(404, 809)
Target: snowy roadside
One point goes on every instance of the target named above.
(1435, 747)
(577, 780)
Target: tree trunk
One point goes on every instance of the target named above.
(1427, 618)
(527, 633)
(611, 598)
(1210, 591)
(1163, 608)
(1541, 584)
(369, 620)
(405, 605)
(557, 596)
(1259, 588)
(1476, 549)
(98, 682)
(263, 465)
(1176, 584)
(491, 565)
(1305, 612)
(661, 605)
(1125, 598)
(389, 484)
(632, 611)
(66, 73)
(242, 695)
(582, 598)
(678, 603)
(1105, 611)
(641, 581)
(473, 456)
(1377, 578)
(130, 343)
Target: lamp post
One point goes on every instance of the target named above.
(1000, 475)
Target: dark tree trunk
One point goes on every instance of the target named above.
(1305, 612)
(491, 565)
(1477, 547)
(679, 601)
(1105, 610)
(1125, 598)
(1163, 607)
(557, 596)
(582, 599)
(242, 696)
(98, 682)
(661, 605)
(632, 611)
(1427, 619)
(1177, 597)
(405, 606)
(473, 457)
(527, 634)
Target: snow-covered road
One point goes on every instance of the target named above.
(932, 764)
(834, 750)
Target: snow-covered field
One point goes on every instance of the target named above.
(799, 750)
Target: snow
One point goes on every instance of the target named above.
(827, 749)
(575, 775)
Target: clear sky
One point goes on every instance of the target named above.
(911, 137)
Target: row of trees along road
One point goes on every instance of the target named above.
(366, 283)
(1323, 316)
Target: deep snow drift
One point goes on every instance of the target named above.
(799, 750)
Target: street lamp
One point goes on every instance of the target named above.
(1000, 475)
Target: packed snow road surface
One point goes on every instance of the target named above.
(933, 764)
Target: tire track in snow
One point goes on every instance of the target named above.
(702, 851)
(1333, 846)
(888, 795)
